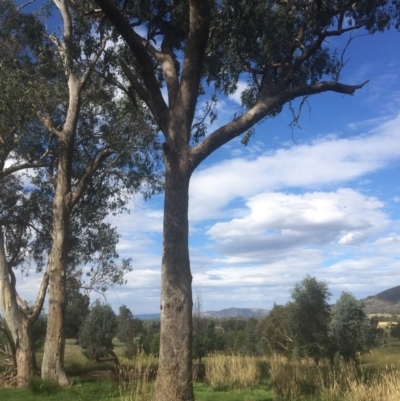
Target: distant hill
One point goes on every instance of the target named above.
(222, 314)
(387, 301)
(236, 312)
(148, 316)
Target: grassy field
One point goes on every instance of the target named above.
(229, 378)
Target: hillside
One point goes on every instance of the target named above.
(236, 312)
(387, 301)
(222, 314)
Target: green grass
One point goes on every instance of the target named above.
(90, 382)
(82, 390)
(107, 390)
(205, 393)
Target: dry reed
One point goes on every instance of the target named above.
(225, 372)
(135, 381)
(344, 381)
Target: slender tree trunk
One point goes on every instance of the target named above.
(53, 357)
(16, 323)
(174, 378)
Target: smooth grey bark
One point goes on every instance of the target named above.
(16, 324)
(53, 357)
(65, 199)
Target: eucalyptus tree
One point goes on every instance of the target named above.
(67, 128)
(97, 332)
(351, 332)
(22, 145)
(309, 318)
(279, 48)
(87, 120)
(276, 331)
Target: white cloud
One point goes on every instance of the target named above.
(322, 162)
(236, 97)
(277, 223)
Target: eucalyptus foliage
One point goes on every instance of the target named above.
(351, 332)
(97, 332)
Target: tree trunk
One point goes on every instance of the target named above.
(53, 357)
(174, 377)
(16, 323)
(25, 355)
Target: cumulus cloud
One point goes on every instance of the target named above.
(278, 222)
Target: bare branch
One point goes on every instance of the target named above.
(265, 105)
(25, 4)
(296, 116)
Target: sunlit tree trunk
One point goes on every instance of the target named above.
(16, 324)
(53, 357)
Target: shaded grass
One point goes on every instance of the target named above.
(83, 390)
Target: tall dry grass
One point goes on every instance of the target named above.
(302, 379)
(135, 382)
(383, 385)
(226, 372)
(136, 376)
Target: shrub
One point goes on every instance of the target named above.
(40, 386)
(97, 332)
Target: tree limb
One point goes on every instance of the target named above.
(37, 308)
(200, 16)
(89, 172)
(155, 100)
(93, 62)
(269, 101)
(134, 82)
(19, 167)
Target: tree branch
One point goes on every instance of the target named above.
(265, 105)
(134, 82)
(200, 16)
(93, 62)
(165, 58)
(89, 172)
(19, 167)
(155, 100)
(37, 308)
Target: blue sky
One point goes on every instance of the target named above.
(263, 216)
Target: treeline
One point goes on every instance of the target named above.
(307, 326)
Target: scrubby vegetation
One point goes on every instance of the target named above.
(242, 359)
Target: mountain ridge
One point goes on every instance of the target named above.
(387, 301)
(245, 313)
